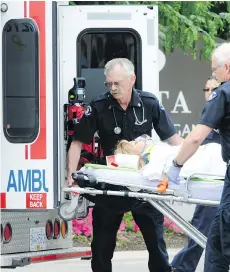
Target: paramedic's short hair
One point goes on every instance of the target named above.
(222, 54)
(125, 63)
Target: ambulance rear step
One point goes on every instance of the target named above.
(23, 259)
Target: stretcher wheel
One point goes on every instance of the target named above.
(62, 211)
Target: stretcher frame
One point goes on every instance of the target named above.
(157, 200)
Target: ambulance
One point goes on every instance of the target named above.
(48, 47)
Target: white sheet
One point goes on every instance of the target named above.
(207, 160)
(205, 190)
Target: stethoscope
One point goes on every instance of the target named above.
(117, 129)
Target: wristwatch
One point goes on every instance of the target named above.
(176, 164)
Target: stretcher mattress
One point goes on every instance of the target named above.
(204, 188)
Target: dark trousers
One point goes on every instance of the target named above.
(105, 226)
(217, 254)
(188, 258)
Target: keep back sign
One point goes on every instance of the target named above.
(36, 200)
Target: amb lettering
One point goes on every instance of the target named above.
(31, 180)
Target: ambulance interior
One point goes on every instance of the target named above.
(96, 48)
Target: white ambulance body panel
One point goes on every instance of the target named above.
(28, 168)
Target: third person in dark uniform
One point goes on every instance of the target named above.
(187, 259)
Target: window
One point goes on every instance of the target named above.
(20, 81)
(97, 46)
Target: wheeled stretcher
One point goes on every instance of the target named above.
(95, 180)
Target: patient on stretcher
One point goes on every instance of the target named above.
(154, 158)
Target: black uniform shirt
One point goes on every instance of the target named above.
(216, 114)
(103, 113)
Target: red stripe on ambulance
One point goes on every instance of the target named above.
(25, 15)
(3, 200)
(26, 152)
(37, 12)
(54, 257)
(25, 8)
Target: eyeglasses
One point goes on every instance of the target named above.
(207, 90)
(110, 84)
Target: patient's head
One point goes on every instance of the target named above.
(130, 148)
(135, 147)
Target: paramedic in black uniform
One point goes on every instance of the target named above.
(216, 115)
(122, 113)
(188, 258)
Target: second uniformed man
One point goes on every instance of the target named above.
(122, 113)
(216, 115)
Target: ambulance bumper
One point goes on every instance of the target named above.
(23, 259)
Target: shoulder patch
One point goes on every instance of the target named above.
(88, 111)
(161, 105)
(212, 96)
